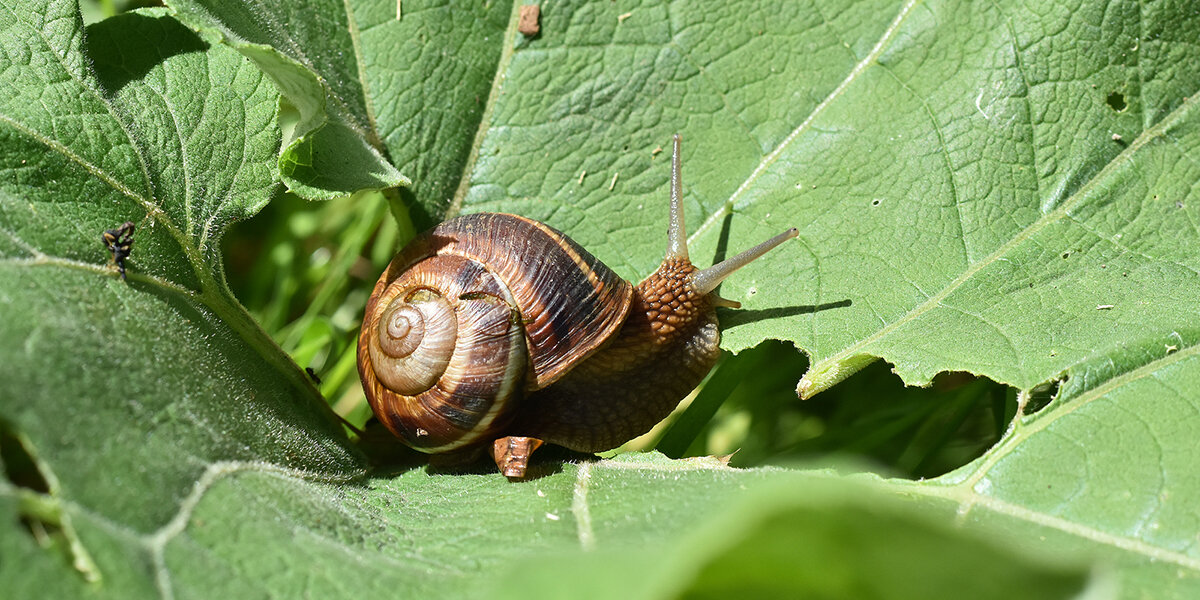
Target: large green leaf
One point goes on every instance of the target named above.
(414, 87)
(949, 166)
(973, 187)
(125, 393)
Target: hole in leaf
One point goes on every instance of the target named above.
(876, 202)
(1066, 254)
(18, 463)
(1116, 101)
(1042, 395)
(40, 513)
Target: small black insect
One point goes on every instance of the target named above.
(119, 242)
(313, 374)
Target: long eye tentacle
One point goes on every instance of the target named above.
(707, 280)
(676, 231)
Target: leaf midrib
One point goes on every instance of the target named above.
(508, 46)
(967, 499)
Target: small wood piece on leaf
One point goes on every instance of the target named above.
(527, 22)
(313, 375)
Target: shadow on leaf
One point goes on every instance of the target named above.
(127, 47)
(733, 318)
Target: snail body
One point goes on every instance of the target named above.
(499, 332)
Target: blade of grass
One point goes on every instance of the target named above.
(725, 377)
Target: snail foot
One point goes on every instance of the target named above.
(512, 454)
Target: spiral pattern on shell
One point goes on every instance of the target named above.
(472, 315)
(415, 341)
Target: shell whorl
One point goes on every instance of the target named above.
(414, 342)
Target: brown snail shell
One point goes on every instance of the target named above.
(462, 387)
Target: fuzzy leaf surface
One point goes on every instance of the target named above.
(184, 455)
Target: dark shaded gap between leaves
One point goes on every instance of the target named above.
(39, 511)
(718, 386)
(19, 466)
(870, 422)
(421, 215)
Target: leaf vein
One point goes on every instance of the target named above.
(579, 507)
(941, 136)
(1063, 407)
(968, 500)
(1020, 65)
(769, 160)
(42, 259)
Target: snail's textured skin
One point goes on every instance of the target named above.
(666, 346)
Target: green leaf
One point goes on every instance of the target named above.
(938, 160)
(1101, 467)
(503, 540)
(956, 180)
(330, 146)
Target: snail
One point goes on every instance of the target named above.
(496, 332)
